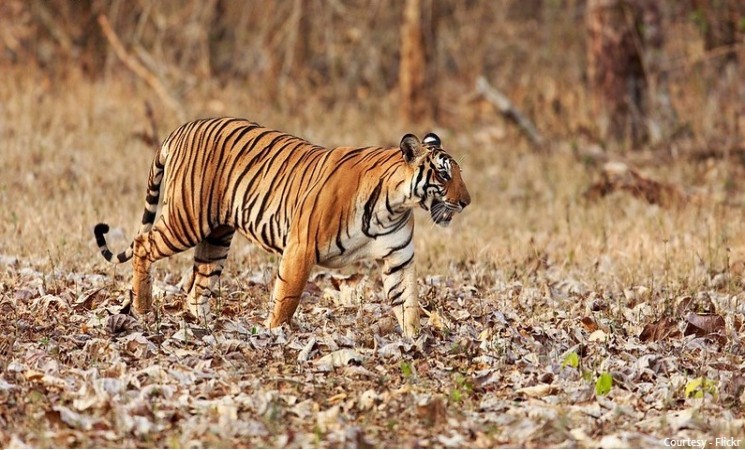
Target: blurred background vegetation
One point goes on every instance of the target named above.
(618, 73)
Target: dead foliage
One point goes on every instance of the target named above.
(619, 177)
(79, 371)
(706, 325)
(659, 330)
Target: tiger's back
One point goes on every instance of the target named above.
(227, 172)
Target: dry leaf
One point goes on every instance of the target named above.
(597, 336)
(432, 410)
(384, 326)
(436, 321)
(589, 324)
(33, 375)
(85, 300)
(73, 419)
(538, 391)
(703, 324)
(454, 440)
(350, 281)
(339, 358)
(337, 398)
(706, 325)
(661, 329)
(305, 354)
(120, 322)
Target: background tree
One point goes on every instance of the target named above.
(413, 67)
(652, 69)
(616, 72)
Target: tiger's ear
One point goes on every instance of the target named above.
(411, 147)
(432, 139)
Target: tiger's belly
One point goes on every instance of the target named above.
(360, 247)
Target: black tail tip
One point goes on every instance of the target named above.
(101, 229)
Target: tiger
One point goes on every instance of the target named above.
(308, 204)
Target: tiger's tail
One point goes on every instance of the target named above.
(148, 217)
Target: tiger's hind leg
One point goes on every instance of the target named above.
(209, 260)
(158, 243)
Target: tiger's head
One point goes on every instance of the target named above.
(437, 183)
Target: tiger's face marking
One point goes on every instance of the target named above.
(438, 183)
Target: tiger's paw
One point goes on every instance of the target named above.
(272, 322)
(410, 330)
(410, 325)
(134, 306)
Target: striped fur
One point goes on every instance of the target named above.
(311, 205)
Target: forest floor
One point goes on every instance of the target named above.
(575, 303)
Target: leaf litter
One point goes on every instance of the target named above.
(542, 362)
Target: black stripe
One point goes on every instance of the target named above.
(399, 267)
(368, 211)
(399, 247)
(338, 235)
(418, 179)
(267, 242)
(222, 241)
(396, 296)
(214, 273)
(99, 231)
(148, 217)
(318, 252)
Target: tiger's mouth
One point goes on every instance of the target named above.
(442, 212)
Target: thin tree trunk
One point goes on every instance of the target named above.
(615, 70)
(412, 71)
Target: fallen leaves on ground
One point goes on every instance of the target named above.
(619, 177)
(499, 363)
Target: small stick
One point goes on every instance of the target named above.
(153, 124)
(150, 138)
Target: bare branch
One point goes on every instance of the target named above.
(149, 138)
(508, 110)
(136, 66)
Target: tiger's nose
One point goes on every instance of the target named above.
(465, 202)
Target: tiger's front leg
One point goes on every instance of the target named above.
(399, 283)
(292, 275)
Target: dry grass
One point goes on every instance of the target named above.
(509, 284)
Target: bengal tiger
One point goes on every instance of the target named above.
(309, 204)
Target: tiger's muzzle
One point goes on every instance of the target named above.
(442, 212)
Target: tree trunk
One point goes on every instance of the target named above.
(718, 21)
(412, 70)
(662, 120)
(615, 70)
